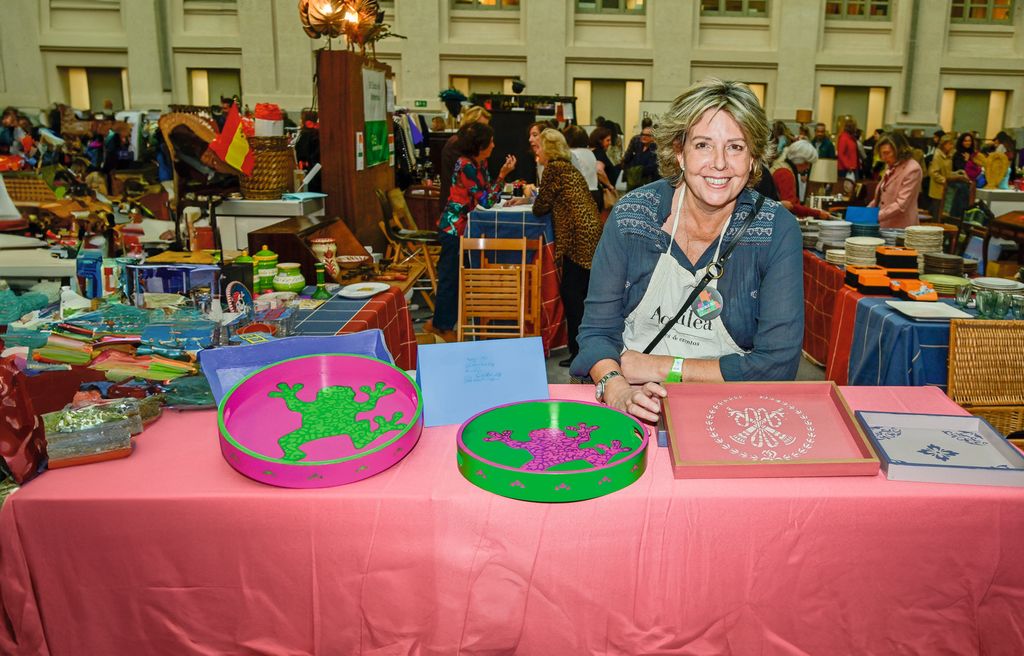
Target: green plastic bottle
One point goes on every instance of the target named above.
(321, 292)
(266, 269)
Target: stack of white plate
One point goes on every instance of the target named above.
(860, 251)
(809, 230)
(836, 256)
(924, 239)
(890, 235)
(834, 231)
(997, 284)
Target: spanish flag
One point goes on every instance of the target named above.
(231, 146)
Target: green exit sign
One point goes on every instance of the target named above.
(420, 103)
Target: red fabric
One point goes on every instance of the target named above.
(268, 112)
(389, 312)
(822, 281)
(553, 331)
(170, 551)
(846, 154)
(785, 184)
(840, 340)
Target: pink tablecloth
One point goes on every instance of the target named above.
(171, 552)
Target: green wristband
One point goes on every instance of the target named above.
(675, 374)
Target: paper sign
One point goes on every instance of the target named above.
(389, 85)
(391, 149)
(458, 380)
(360, 152)
(375, 117)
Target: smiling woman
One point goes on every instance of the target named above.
(697, 277)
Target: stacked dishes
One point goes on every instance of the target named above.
(833, 234)
(924, 239)
(809, 230)
(997, 284)
(970, 267)
(860, 251)
(890, 235)
(944, 284)
(865, 230)
(836, 256)
(943, 263)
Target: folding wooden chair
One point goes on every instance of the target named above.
(534, 275)
(492, 299)
(410, 246)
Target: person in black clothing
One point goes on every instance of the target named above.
(640, 161)
(600, 141)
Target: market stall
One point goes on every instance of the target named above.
(419, 558)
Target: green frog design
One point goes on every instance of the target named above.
(333, 413)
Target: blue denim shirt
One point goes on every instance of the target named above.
(762, 286)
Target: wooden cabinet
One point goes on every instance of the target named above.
(424, 205)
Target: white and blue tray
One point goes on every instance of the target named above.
(942, 449)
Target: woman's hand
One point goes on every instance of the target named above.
(508, 167)
(641, 401)
(823, 214)
(512, 202)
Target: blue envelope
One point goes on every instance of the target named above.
(459, 380)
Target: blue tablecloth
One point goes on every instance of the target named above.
(510, 222)
(891, 349)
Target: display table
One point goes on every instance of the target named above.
(34, 263)
(1001, 201)
(170, 551)
(387, 311)
(520, 221)
(888, 348)
(844, 311)
(1008, 226)
(237, 218)
(822, 281)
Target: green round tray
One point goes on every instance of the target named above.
(552, 450)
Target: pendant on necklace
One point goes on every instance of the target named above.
(709, 304)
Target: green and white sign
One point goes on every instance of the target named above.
(375, 117)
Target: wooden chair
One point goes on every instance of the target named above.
(986, 370)
(534, 275)
(404, 246)
(492, 299)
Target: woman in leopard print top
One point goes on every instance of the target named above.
(564, 194)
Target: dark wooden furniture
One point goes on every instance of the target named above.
(340, 98)
(290, 239)
(424, 204)
(1008, 226)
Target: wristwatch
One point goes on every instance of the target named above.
(599, 389)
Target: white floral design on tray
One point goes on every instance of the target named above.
(968, 437)
(938, 452)
(887, 432)
(761, 429)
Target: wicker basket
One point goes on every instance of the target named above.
(986, 370)
(272, 174)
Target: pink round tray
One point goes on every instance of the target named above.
(320, 420)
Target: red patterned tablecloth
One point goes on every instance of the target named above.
(840, 339)
(389, 312)
(822, 281)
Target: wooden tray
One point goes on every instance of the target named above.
(754, 430)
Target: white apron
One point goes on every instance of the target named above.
(671, 284)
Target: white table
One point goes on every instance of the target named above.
(237, 218)
(34, 263)
(1001, 201)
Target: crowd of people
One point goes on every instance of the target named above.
(716, 181)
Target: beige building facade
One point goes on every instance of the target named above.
(904, 62)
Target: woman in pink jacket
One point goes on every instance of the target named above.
(896, 194)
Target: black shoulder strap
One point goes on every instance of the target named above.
(715, 270)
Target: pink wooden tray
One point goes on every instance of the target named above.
(320, 420)
(753, 430)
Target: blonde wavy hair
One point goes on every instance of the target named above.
(473, 115)
(554, 146)
(734, 98)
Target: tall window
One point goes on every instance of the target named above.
(611, 6)
(757, 8)
(485, 4)
(858, 9)
(981, 11)
(209, 85)
(95, 88)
